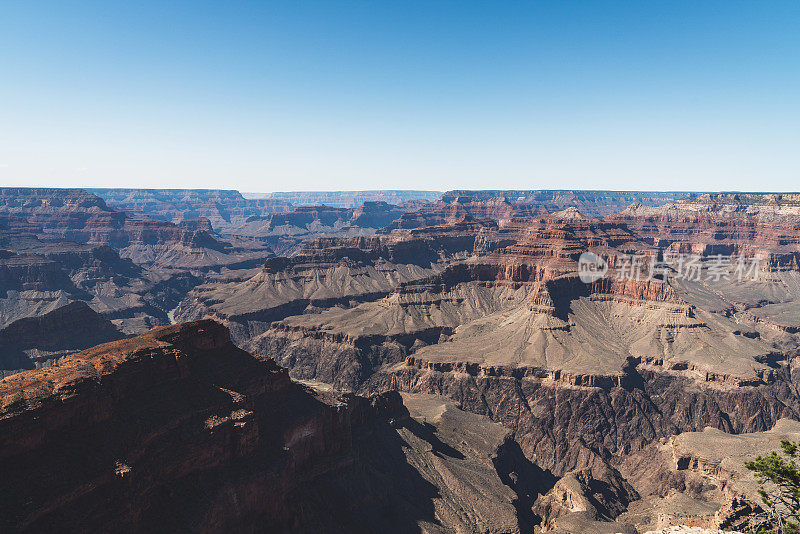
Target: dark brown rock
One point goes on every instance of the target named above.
(36, 341)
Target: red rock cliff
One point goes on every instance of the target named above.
(174, 430)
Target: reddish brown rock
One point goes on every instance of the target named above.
(36, 341)
(503, 205)
(178, 430)
(595, 203)
(353, 199)
(724, 223)
(78, 216)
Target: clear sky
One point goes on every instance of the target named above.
(301, 95)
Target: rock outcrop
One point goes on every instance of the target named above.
(77, 216)
(326, 272)
(38, 341)
(724, 223)
(515, 364)
(699, 478)
(599, 495)
(595, 203)
(40, 277)
(178, 430)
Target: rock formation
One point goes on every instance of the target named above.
(77, 216)
(568, 403)
(579, 371)
(223, 208)
(699, 478)
(40, 277)
(178, 430)
(352, 199)
(502, 205)
(37, 341)
(595, 203)
(284, 232)
(325, 273)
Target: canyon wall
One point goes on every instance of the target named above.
(178, 430)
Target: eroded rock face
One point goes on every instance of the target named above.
(179, 430)
(699, 478)
(724, 223)
(599, 494)
(77, 216)
(39, 277)
(762, 227)
(287, 232)
(222, 208)
(441, 212)
(592, 203)
(327, 272)
(479, 316)
(59, 246)
(563, 427)
(580, 371)
(503, 205)
(38, 341)
(373, 215)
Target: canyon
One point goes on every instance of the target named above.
(404, 364)
(178, 429)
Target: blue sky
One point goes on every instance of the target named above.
(268, 96)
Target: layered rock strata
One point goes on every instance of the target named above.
(179, 430)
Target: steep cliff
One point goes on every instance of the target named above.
(509, 362)
(580, 371)
(37, 341)
(326, 272)
(502, 205)
(352, 199)
(596, 203)
(178, 430)
(724, 223)
(78, 216)
(699, 478)
(45, 276)
(286, 232)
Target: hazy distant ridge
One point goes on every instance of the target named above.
(346, 199)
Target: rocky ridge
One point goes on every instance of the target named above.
(285, 232)
(214, 439)
(222, 208)
(41, 340)
(502, 205)
(350, 199)
(77, 216)
(579, 371)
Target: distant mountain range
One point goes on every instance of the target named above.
(346, 199)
